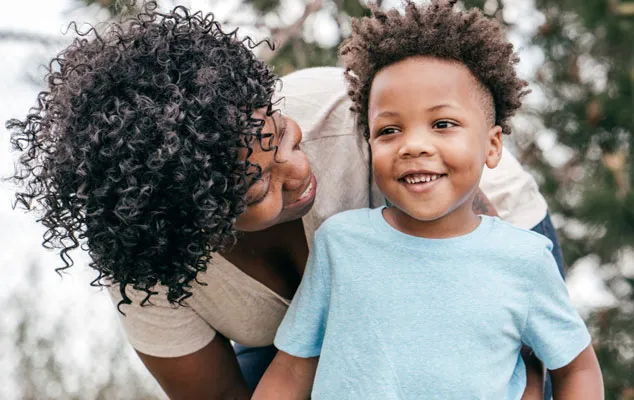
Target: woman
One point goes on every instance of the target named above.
(159, 147)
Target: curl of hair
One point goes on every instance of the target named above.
(433, 30)
(133, 150)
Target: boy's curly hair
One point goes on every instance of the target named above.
(435, 30)
(133, 149)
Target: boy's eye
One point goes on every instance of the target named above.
(444, 124)
(387, 131)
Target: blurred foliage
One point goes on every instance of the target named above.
(114, 7)
(587, 81)
(45, 367)
(264, 6)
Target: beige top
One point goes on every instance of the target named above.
(246, 311)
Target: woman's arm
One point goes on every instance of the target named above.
(210, 373)
(534, 375)
(287, 378)
(579, 380)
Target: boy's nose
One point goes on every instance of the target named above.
(416, 143)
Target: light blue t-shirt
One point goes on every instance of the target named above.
(393, 316)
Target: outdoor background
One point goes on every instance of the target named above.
(59, 337)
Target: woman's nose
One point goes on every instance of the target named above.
(296, 169)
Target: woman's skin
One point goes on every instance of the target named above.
(277, 197)
(272, 249)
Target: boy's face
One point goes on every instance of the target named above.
(430, 137)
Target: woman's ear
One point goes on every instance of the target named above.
(494, 152)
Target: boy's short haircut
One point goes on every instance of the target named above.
(434, 30)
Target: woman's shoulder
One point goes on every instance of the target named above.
(317, 99)
(224, 299)
(316, 79)
(514, 192)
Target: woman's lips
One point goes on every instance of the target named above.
(307, 196)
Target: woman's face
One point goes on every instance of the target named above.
(287, 188)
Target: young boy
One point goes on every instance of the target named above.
(424, 299)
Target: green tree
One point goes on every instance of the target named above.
(587, 81)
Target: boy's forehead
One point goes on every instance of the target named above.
(429, 80)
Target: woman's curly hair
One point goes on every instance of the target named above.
(133, 151)
(435, 30)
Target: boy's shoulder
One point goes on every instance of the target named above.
(345, 221)
(517, 241)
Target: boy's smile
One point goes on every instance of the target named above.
(420, 181)
(431, 134)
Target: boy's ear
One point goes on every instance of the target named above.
(494, 153)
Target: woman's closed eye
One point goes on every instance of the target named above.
(258, 200)
(259, 191)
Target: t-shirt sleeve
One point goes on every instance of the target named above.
(161, 329)
(302, 330)
(553, 328)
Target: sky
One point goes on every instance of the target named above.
(88, 310)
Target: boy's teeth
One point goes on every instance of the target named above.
(420, 178)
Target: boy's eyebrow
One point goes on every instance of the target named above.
(433, 108)
(387, 114)
(440, 106)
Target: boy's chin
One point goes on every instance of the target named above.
(416, 214)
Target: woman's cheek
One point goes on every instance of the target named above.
(300, 172)
(260, 216)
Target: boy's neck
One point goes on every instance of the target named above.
(458, 222)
